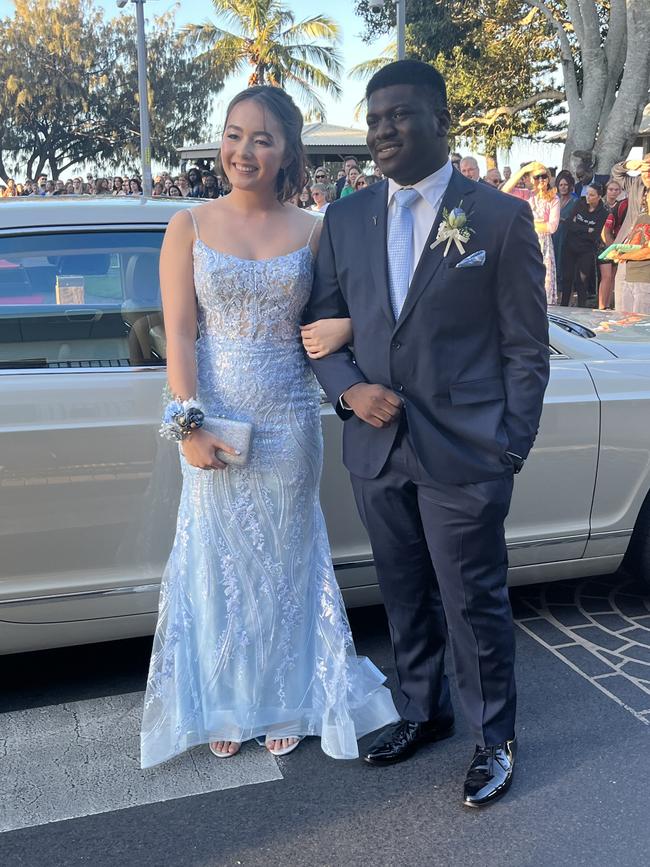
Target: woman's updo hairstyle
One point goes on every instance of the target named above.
(292, 179)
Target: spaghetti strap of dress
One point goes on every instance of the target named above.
(190, 211)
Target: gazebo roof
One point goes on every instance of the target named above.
(206, 151)
(319, 137)
(324, 140)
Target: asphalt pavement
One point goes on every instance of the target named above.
(71, 792)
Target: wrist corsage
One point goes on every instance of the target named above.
(181, 418)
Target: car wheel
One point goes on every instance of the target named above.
(637, 558)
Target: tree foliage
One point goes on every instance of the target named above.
(56, 72)
(180, 89)
(603, 49)
(499, 58)
(301, 56)
(70, 88)
(496, 61)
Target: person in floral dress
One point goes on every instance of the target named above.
(545, 205)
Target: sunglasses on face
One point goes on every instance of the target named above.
(540, 177)
(360, 184)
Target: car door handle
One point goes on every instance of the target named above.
(87, 315)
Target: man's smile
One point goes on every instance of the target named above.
(388, 149)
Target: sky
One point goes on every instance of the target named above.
(342, 11)
(353, 49)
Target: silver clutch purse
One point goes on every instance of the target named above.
(237, 434)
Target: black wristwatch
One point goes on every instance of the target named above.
(517, 462)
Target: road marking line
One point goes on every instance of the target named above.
(591, 680)
(618, 678)
(81, 758)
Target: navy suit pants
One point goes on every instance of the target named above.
(441, 561)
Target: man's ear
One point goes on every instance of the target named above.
(444, 121)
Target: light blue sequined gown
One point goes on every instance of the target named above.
(252, 635)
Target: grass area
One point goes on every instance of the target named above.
(107, 286)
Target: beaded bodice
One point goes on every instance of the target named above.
(250, 362)
(249, 299)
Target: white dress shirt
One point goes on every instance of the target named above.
(424, 209)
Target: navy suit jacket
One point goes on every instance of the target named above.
(601, 180)
(469, 353)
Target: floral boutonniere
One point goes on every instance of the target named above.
(453, 229)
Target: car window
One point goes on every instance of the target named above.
(80, 299)
(572, 327)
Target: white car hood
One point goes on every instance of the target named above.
(625, 335)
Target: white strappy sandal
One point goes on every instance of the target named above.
(283, 751)
(222, 755)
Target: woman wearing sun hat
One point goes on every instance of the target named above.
(634, 178)
(545, 205)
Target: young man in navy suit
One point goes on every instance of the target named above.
(441, 397)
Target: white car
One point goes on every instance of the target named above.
(88, 490)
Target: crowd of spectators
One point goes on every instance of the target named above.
(320, 190)
(324, 186)
(585, 223)
(194, 183)
(577, 214)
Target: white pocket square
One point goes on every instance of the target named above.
(474, 260)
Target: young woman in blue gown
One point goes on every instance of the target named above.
(252, 639)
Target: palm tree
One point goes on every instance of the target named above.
(264, 34)
(363, 71)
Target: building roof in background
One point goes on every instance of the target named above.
(320, 139)
(206, 151)
(327, 135)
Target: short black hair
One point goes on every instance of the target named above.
(410, 72)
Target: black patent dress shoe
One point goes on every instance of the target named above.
(490, 774)
(400, 741)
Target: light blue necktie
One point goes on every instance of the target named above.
(400, 248)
